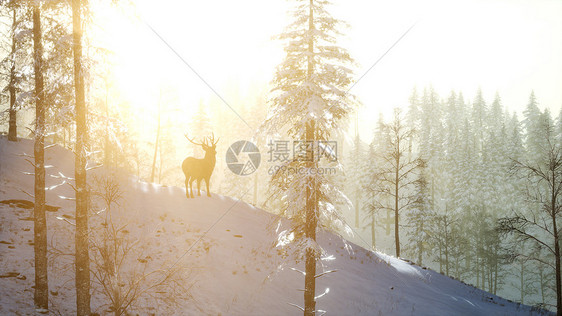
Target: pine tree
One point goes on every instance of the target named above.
(558, 128)
(431, 142)
(40, 221)
(418, 220)
(382, 140)
(446, 212)
(311, 101)
(441, 231)
(377, 212)
(413, 115)
(515, 143)
(81, 236)
(534, 140)
(58, 69)
(14, 68)
(355, 170)
(547, 124)
(369, 185)
(13, 76)
(479, 114)
(496, 117)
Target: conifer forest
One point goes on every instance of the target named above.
(280, 157)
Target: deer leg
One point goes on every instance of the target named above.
(199, 187)
(207, 183)
(187, 187)
(191, 187)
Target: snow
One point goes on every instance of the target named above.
(227, 247)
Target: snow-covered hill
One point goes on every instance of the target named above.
(224, 248)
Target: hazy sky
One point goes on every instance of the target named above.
(511, 47)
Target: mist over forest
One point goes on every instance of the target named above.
(415, 144)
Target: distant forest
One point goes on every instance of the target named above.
(474, 195)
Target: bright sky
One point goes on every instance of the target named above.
(508, 46)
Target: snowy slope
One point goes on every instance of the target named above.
(224, 246)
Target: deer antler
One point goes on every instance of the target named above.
(194, 143)
(212, 139)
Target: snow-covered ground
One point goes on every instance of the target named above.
(223, 249)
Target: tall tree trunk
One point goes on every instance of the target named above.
(310, 232)
(490, 279)
(483, 274)
(495, 276)
(555, 232)
(478, 263)
(522, 282)
(40, 222)
(446, 246)
(373, 236)
(160, 164)
(542, 282)
(12, 123)
(557, 262)
(420, 246)
(255, 198)
(106, 147)
(356, 207)
(157, 141)
(396, 191)
(440, 245)
(457, 264)
(310, 216)
(468, 261)
(81, 236)
(388, 221)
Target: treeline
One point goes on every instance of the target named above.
(442, 181)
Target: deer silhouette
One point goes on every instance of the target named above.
(200, 169)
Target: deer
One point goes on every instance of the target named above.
(200, 169)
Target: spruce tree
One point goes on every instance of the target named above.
(310, 101)
(533, 135)
(478, 117)
(496, 117)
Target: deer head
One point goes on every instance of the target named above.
(208, 144)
